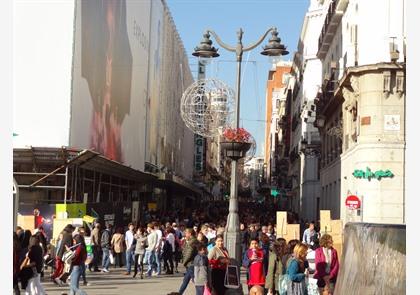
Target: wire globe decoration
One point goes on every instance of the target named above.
(251, 152)
(207, 106)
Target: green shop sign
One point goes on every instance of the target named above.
(368, 174)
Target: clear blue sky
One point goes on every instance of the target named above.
(225, 17)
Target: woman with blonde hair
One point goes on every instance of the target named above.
(297, 271)
(326, 265)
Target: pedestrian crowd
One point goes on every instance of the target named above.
(272, 265)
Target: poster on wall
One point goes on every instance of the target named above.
(110, 69)
(44, 213)
(127, 214)
(135, 216)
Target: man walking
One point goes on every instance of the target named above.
(158, 248)
(131, 246)
(106, 247)
(152, 240)
(96, 247)
(188, 253)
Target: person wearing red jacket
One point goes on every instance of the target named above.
(253, 260)
(326, 265)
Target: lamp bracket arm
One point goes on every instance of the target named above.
(252, 46)
(220, 42)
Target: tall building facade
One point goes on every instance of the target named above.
(275, 99)
(361, 110)
(304, 136)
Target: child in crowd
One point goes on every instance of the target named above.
(201, 269)
(254, 262)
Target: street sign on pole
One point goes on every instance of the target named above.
(353, 202)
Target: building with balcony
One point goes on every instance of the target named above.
(304, 137)
(361, 109)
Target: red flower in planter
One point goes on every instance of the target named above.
(236, 135)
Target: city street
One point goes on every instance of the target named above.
(116, 283)
(248, 144)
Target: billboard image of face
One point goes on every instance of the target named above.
(106, 64)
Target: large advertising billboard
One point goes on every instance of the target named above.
(110, 78)
(155, 86)
(129, 72)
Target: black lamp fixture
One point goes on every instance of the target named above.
(274, 47)
(205, 50)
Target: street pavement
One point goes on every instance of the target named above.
(116, 283)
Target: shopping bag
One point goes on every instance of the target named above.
(283, 282)
(312, 286)
(111, 258)
(89, 258)
(206, 290)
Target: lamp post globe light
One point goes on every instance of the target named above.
(206, 50)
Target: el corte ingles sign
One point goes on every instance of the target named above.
(368, 174)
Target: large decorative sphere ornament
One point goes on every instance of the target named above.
(207, 106)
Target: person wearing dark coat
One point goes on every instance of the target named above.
(67, 240)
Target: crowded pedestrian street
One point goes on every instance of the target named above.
(172, 147)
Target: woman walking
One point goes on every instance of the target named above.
(276, 269)
(218, 260)
(326, 265)
(169, 250)
(31, 268)
(140, 250)
(77, 263)
(117, 243)
(290, 254)
(296, 270)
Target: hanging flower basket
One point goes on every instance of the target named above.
(235, 150)
(235, 143)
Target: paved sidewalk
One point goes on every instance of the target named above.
(116, 283)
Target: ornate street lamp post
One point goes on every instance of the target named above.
(206, 50)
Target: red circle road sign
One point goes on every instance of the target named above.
(353, 202)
